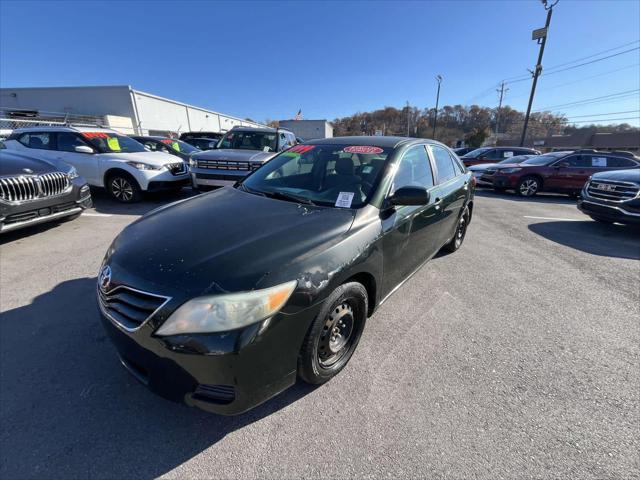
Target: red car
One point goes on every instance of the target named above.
(562, 172)
(494, 154)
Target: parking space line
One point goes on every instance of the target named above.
(554, 218)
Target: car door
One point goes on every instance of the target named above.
(410, 232)
(85, 163)
(452, 191)
(568, 174)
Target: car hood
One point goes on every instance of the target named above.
(223, 241)
(482, 167)
(12, 163)
(630, 175)
(152, 158)
(235, 155)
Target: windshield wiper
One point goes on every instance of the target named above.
(289, 196)
(244, 188)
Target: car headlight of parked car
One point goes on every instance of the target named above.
(145, 166)
(510, 170)
(219, 313)
(72, 173)
(193, 162)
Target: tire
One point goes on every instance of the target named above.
(460, 233)
(123, 187)
(344, 312)
(528, 186)
(602, 220)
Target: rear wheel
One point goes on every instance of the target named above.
(334, 334)
(528, 186)
(123, 187)
(461, 231)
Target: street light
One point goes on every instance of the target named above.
(435, 115)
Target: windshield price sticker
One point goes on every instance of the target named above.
(301, 148)
(113, 144)
(344, 199)
(94, 135)
(362, 149)
(172, 144)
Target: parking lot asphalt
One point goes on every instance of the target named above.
(516, 357)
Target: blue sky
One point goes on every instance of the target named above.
(268, 59)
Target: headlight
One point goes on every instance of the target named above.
(219, 313)
(145, 166)
(510, 170)
(193, 162)
(72, 173)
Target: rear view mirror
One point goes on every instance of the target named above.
(83, 149)
(410, 196)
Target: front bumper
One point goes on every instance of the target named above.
(201, 177)
(225, 373)
(33, 212)
(504, 181)
(618, 212)
(159, 179)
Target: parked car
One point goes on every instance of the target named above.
(275, 278)
(611, 197)
(562, 172)
(494, 154)
(33, 190)
(460, 151)
(241, 151)
(167, 145)
(478, 170)
(104, 158)
(211, 136)
(202, 143)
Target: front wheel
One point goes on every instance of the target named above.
(461, 231)
(334, 334)
(123, 187)
(528, 187)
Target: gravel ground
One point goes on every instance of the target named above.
(516, 357)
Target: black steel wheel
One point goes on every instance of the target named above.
(123, 187)
(460, 233)
(334, 334)
(528, 186)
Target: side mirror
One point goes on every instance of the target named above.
(83, 149)
(410, 196)
(562, 165)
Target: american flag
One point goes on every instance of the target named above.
(298, 115)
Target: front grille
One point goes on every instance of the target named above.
(23, 188)
(228, 165)
(177, 168)
(128, 307)
(612, 190)
(41, 212)
(215, 393)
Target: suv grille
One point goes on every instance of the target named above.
(612, 190)
(177, 168)
(128, 307)
(228, 165)
(24, 188)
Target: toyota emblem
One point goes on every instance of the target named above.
(104, 279)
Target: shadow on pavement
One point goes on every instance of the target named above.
(539, 198)
(104, 203)
(69, 410)
(621, 241)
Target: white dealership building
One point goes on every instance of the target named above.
(119, 106)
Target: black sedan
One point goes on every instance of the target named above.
(34, 191)
(167, 145)
(223, 300)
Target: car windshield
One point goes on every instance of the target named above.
(110, 142)
(544, 159)
(331, 175)
(264, 141)
(516, 159)
(179, 145)
(475, 153)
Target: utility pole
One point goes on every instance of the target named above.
(408, 117)
(501, 91)
(435, 114)
(540, 35)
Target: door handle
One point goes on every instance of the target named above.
(437, 203)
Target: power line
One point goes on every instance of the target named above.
(604, 120)
(603, 114)
(587, 100)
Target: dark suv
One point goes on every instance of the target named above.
(494, 154)
(562, 172)
(611, 197)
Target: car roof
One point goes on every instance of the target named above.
(372, 141)
(258, 129)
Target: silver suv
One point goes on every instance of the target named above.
(241, 151)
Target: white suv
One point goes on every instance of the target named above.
(105, 158)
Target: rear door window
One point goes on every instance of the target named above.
(38, 140)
